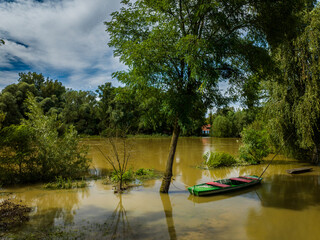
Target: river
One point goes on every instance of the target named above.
(284, 206)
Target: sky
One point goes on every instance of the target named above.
(62, 39)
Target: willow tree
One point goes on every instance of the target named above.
(184, 48)
(294, 103)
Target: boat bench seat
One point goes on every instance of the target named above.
(251, 178)
(241, 180)
(218, 184)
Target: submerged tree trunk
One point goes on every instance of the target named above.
(172, 150)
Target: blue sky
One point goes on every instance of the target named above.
(62, 39)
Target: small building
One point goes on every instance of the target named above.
(206, 129)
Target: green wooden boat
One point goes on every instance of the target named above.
(224, 185)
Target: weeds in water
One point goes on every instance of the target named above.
(130, 176)
(62, 183)
(219, 159)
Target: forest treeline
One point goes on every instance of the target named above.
(90, 112)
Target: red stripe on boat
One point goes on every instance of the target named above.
(249, 178)
(218, 184)
(240, 179)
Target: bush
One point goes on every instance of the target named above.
(219, 159)
(128, 176)
(34, 151)
(221, 127)
(255, 146)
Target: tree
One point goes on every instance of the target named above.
(184, 48)
(56, 156)
(255, 144)
(79, 109)
(294, 103)
(118, 155)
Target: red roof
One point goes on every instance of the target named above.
(206, 127)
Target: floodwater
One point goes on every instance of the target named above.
(283, 207)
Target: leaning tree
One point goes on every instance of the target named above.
(185, 48)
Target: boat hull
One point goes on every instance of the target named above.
(206, 189)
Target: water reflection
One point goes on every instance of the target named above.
(50, 207)
(290, 208)
(294, 192)
(118, 226)
(167, 207)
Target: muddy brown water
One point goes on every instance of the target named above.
(284, 206)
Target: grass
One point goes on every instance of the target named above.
(62, 183)
(130, 176)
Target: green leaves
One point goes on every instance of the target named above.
(255, 145)
(294, 103)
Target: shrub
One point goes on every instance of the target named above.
(34, 151)
(255, 146)
(127, 176)
(219, 159)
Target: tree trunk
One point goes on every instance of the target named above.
(315, 154)
(172, 150)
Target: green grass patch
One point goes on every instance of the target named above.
(130, 176)
(63, 183)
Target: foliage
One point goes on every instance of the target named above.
(217, 159)
(229, 123)
(127, 176)
(141, 174)
(63, 183)
(293, 107)
(79, 109)
(17, 154)
(255, 144)
(12, 214)
(146, 174)
(2, 117)
(33, 151)
(221, 127)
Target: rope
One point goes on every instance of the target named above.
(275, 155)
(181, 183)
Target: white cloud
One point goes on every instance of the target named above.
(66, 36)
(8, 77)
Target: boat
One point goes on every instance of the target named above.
(299, 170)
(224, 185)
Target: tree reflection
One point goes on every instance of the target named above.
(118, 226)
(167, 207)
(280, 190)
